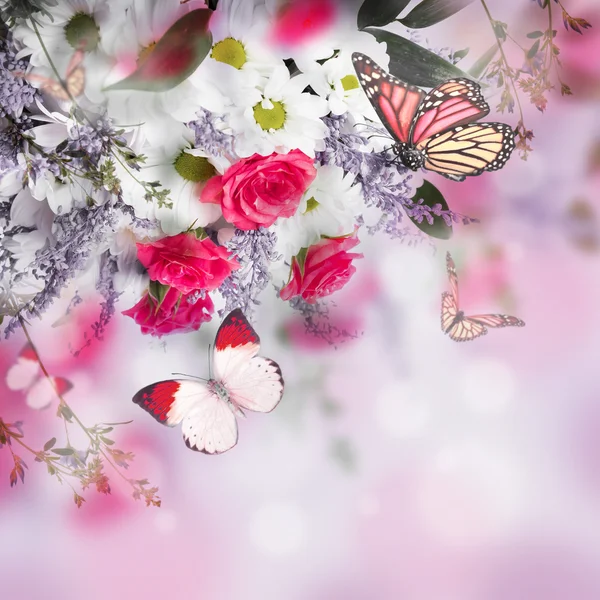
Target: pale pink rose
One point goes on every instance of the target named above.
(186, 263)
(256, 191)
(326, 269)
(178, 313)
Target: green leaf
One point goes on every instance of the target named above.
(158, 291)
(379, 12)
(412, 63)
(301, 258)
(63, 451)
(66, 412)
(533, 50)
(431, 196)
(460, 54)
(174, 58)
(478, 69)
(535, 34)
(49, 444)
(107, 441)
(430, 12)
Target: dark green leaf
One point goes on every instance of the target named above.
(379, 12)
(49, 444)
(66, 412)
(535, 34)
(175, 57)
(413, 64)
(460, 54)
(107, 441)
(63, 451)
(62, 146)
(533, 50)
(158, 291)
(478, 69)
(430, 12)
(119, 423)
(500, 30)
(431, 196)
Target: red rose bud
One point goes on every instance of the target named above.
(322, 269)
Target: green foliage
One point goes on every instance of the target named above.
(413, 63)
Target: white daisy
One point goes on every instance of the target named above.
(283, 119)
(130, 275)
(23, 247)
(239, 61)
(336, 81)
(72, 25)
(183, 171)
(329, 207)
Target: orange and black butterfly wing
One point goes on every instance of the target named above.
(395, 102)
(466, 329)
(468, 150)
(454, 103)
(497, 320)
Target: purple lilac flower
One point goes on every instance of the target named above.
(209, 137)
(94, 141)
(383, 179)
(78, 234)
(254, 251)
(316, 322)
(15, 92)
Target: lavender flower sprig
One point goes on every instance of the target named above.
(254, 251)
(385, 182)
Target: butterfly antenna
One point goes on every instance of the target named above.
(190, 376)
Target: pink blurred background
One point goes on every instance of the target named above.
(400, 465)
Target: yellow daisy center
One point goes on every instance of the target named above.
(350, 82)
(270, 118)
(194, 168)
(82, 33)
(230, 52)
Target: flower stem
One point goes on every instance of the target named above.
(63, 403)
(508, 70)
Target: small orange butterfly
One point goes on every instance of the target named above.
(454, 322)
(71, 87)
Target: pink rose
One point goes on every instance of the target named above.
(256, 191)
(187, 263)
(325, 268)
(177, 313)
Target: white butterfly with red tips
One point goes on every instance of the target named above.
(454, 322)
(27, 376)
(242, 381)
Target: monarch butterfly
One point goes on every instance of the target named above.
(437, 130)
(71, 87)
(454, 322)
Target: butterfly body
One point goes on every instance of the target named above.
(460, 327)
(412, 158)
(438, 130)
(207, 409)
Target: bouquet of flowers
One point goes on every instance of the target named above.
(195, 155)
